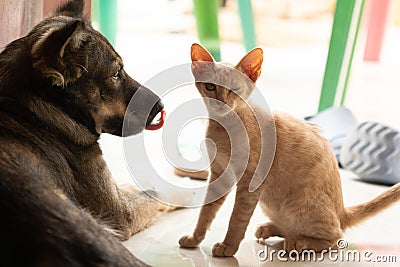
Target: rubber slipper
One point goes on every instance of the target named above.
(200, 175)
(190, 157)
(334, 123)
(372, 151)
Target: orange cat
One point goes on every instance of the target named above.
(302, 194)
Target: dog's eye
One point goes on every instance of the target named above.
(116, 76)
(210, 87)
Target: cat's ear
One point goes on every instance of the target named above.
(202, 62)
(251, 64)
(199, 53)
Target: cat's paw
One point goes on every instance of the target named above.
(188, 241)
(266, 230)
(300, 245)
(294, 244)
(222, 250)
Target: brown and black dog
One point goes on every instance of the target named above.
(61, 86)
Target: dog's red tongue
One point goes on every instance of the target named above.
(155, 125)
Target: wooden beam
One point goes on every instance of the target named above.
(17, 17)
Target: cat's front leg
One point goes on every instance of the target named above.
(206, 216)
(245, 203)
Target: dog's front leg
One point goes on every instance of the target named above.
(144, 208)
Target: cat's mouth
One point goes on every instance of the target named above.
(221, 106)
(220, 110)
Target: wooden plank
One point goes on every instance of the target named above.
(10, 21)
(32, 14)
(17, 17)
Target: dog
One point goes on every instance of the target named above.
(61, 87)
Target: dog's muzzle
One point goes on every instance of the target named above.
(157, 122)
(156, 117)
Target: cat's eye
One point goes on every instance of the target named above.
(210, 87)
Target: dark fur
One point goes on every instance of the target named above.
(57, 95)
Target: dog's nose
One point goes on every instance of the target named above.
(158, 106)
(152, 123)
(148, 101)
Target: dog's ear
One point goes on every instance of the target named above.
(72, 8)
(59, 53)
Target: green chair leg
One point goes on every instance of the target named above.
(247, 21)
(104, 12)
(206, 12)
(341, 50)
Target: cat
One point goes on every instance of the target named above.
(302, 193)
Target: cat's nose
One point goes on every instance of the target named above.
(221, 104)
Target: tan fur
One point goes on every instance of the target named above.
(302, 194)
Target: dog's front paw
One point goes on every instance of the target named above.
(222, 250)
(128, 189)
(188, 241)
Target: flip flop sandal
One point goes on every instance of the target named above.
(372, 151)
(334, 123)
(191, 152)
(200, 175)
(190, 158)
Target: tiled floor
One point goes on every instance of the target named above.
(154, 37)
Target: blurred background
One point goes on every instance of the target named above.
(295, 35)
(157, 34)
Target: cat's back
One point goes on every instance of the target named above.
(304, 173)
(303, 157)
(298, 136)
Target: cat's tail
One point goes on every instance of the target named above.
(356, 214)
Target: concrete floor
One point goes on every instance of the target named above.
(156, 35)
